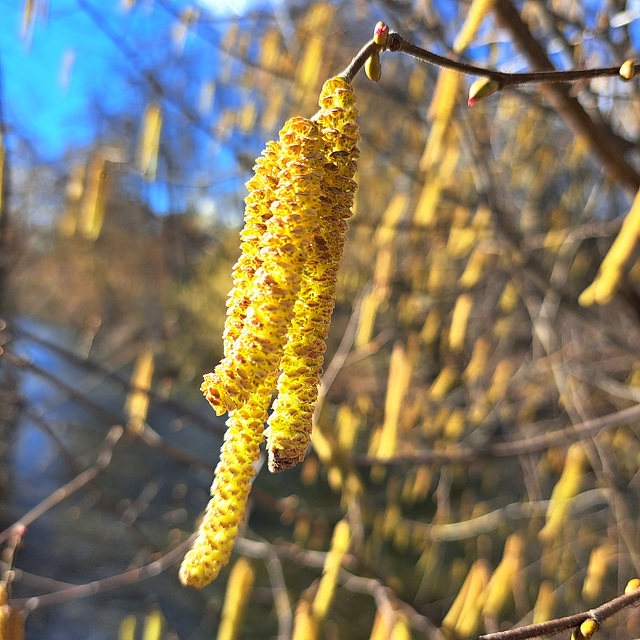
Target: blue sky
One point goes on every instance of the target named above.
(53, 116)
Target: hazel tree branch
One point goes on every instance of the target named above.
(394, 42)
(598, 615)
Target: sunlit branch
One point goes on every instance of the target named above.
(397, 43)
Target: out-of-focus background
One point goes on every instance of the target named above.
(479, 424)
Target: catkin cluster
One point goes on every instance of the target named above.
(278, 312)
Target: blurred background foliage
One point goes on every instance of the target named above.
(462, 372)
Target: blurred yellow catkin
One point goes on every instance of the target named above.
(477, 12)
(11, 620)
(500, 588)
(545, 603)
(310, 616)
(153, 624)
(92, 208)
(236, 599)
(566, 489)
(609, 276)
(599, 561)
(149, 143)
(459, 322)
(464, 616)
(137, 403)
(400, 370)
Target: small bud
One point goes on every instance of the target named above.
(481, 89)
(588, 628)
(632, 585)
(373, 68)
(381, 34)
(627, 70)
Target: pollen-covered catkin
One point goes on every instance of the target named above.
(262, 188)
(284, 247)
(229, 492)
(301, 366)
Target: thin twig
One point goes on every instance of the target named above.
(106, 584)
(101, 463)
(397, 43)
(583, 431)
(599, 614)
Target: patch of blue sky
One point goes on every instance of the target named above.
(52, 116)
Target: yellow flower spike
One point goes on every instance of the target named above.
(258, 203)
(291, 422)
(500, 587)
(563, 494)
(340, 542)
(599, 561)
(236, 599)
(611, 271)
(283, 250)
(229, 492)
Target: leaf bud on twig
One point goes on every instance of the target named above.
(482, 88)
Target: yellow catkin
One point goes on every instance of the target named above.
(474, 269)
(445, 381)
(137, 403)
(400, 370)
(229, 492)
(478, 362)
(93, 203)
(435, 181)
(500, 585)
(545, 603)
(291, 421)
(445, 97)
(147, 158)
(509, 297)
(599, 560)
(401, 628)
(381, 629)
(477, 12)
(459, 322)
(340, 542)
(236, 599)
(310, 616)
(127, 629)
(273, 288)
(463, 618)
(367, 318)
(608, 278)
(500, 381)
(153, 624)
(566, 489)
(431, 327)
(11, 619)
(305, 626)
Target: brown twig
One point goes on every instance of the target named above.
(106, 584)
(397, 43)
(599, 614)
(102, 461)
(583, 431)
